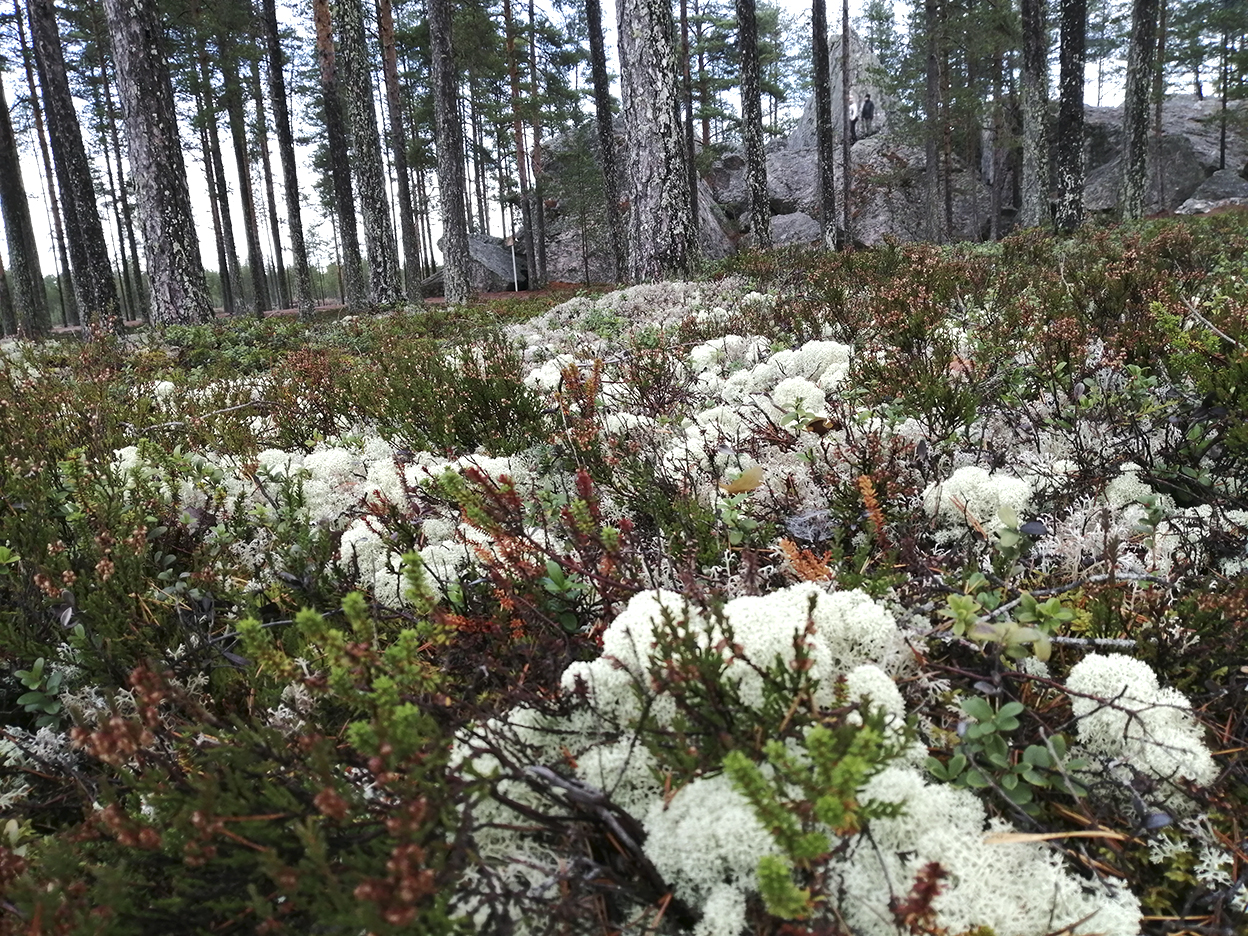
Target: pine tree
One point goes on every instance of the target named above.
(94, 288)
(1033, 210)
(606, 135)
(752, 126)
(660, 241)
(29, 301)
(457, 285)
(175, 271)
(823, 122)
(1140, 57)
(1070, 168)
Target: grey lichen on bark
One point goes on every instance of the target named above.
(660, 226)
(1140, 53)
(456, 284)
(752, 125)
(1034, 208)
(175, 271)
(385, 278)
(1068, 212)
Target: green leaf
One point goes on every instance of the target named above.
(977, 708)
(1037, 755)
(976, 779)
(957, 764)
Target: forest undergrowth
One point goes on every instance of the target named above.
(902, 591)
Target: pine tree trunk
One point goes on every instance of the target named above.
(281, 291)
(8, 317)
(232, 97)
(354, 292)
(847, 131)
(370, 175)
(174, 269)
(128, 294)
(88, 253)
(687, 95)
(606, 136)
(218, 234)
(457, 286)
(29, 300)
(537, 272)
(133, 272)
(286, 150)
(824, 141)
(1070, 166)
(660, 233)
(1033, 211)
(752, 126)
(65, 283)
(233, 297)
(398, 146)
(1135, 107)
(517, 134)
(932, 108)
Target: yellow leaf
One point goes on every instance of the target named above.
(747, 480)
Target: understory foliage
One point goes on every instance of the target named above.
(898, 591)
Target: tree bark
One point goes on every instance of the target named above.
(94, 287)
(824, 140)
(687, 95)
(398, 146)
(456, 282)
(933, 112)
(286, 150)
(847, 125)
(65, 282)
(1033, 210)
(233, 297)
(29, 300)
(660, 232)
(752, 126)
(281, 288)
(1140, 54)
(606, 135)
(354, 292)
(232, 97)
(537, 272)
(370, 176)
(1070, 166)
(517, 135)
(174, 269)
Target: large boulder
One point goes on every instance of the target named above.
(795, 228)
(1223, 189)
(1175, 171)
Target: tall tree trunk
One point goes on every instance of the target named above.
(286, 150)
(752, 126)
(218, 232)
(1070, 167)
(133, 273)
(29, 300)
(932, 108)
(517, 134)
(175, 271)
(660, 234)
(1033, 210)
(354, 292)
(687, 94)
(233, 297)
(398, 146)
(88, 253)
(281, 291)
(232, 97)
(537, 272)
(847, 125)
(457, 285)
(824, 140)
(65, 284)
(128, 291)
(385, 280)
(8, 316)
(606, 135)
(1135, 107)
